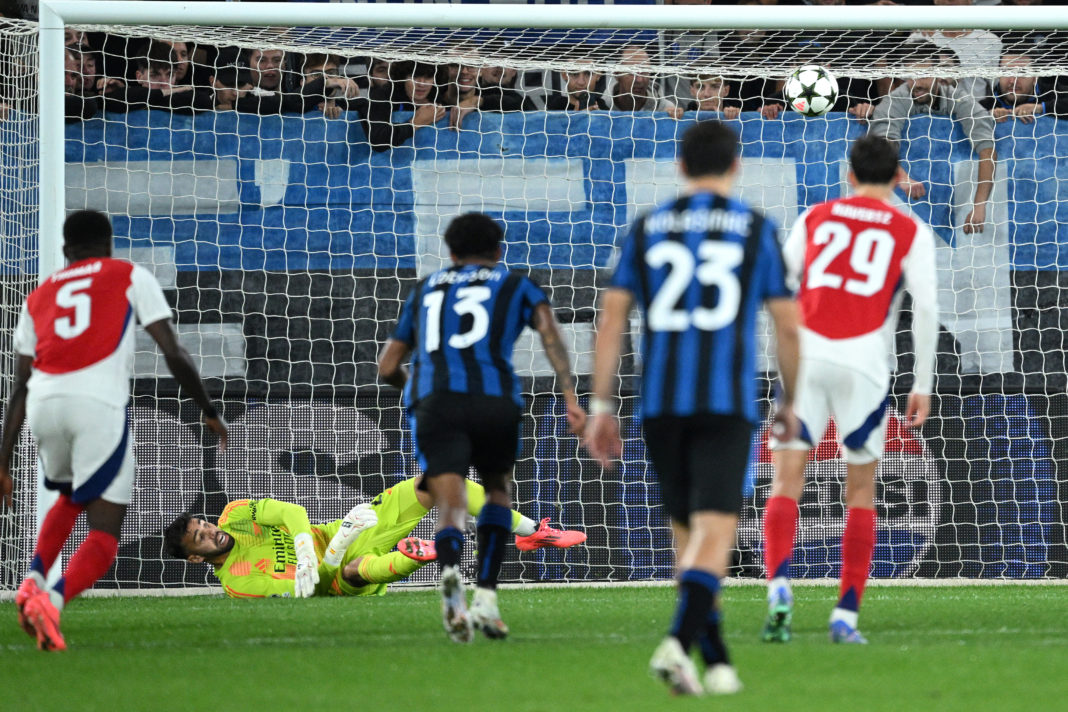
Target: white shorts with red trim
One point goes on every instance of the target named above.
(85, 447)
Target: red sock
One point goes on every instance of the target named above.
(91, 561)
(858, 543)
(55, 530)
(780, 528)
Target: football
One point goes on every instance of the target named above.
(811, 90)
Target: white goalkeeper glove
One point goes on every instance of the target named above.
(359, 518)
(307, 567)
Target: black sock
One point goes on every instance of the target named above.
(449, 543)
(713, 649)
(697, 591)
(494, 526)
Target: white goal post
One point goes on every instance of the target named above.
(1001, 371)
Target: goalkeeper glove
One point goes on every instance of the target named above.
(360, 517)
(307, 567)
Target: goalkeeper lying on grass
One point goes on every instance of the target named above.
(269, 548)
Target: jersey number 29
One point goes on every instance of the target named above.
(869, 257)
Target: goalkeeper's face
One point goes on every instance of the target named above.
(204, 541)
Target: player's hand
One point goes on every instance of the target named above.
(7, 486)
(307, 567)
(919, 407)
(602, 439)
(362, 516)
(218, 426)
(784, 424)
(976, 220)
(576, 419)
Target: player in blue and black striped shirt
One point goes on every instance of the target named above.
(460, 325)
(700, 267)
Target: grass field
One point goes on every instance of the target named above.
(577, 649)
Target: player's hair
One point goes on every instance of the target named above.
(473, 235)
(86, 228)
(708, 149)
(873, 159)
(172, 537)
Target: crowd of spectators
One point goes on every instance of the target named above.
(395, 100)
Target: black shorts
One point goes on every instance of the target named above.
(456, 431)
(700, 461)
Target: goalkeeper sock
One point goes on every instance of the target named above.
(713, 649)
(476, 499)
(697, 591)
(780, 528)
(91, 561)
(858, 545)
(55, 530)
(494, 526)
(387, 568)
(449, 543)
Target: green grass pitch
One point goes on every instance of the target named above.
(972, 648)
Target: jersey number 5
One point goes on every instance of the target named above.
(72, 296)
(870, 257)
(469, 300)
(718, 261)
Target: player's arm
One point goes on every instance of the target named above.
(918, 270)
(544, 322)
(392, 360)
(14, 415)
(602, 435)
(255, 585)
(295, 519)
(391, 363)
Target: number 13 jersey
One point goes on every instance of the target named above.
(851, 258)
(78, 327)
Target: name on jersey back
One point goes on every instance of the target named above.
(697, 220)
(855, 212)
(484, 274)
(92, 268)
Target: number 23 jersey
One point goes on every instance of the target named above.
(851, 258)
(78, 326)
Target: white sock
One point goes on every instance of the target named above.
(57, 599)
(847, 617)
(775, 584)
(526, 526)
(38, 579)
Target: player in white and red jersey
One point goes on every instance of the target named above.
(851, 258)
(75, 350)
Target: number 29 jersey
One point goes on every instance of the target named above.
(851, 258)
(78, 327)
(700, 267)
(462, 323)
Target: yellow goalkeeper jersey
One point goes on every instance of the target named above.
(263, 561)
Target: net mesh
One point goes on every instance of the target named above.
(287, 205)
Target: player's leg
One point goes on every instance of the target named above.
(717, 456)
(54, 451)
(529, 535)
(443, 447)
(671, 662)
(863, 438)
(781, 510)
(495, 435)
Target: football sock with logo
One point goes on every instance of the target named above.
(55, 530)
(858, 545)
(387, 568)
(697, 591)
(780, 529)
(449, 543)
(91, 561)
(476, 498)
(713, 649)
(494, 526)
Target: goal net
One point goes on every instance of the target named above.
(288, 186)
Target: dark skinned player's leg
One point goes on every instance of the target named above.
(96, 554)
